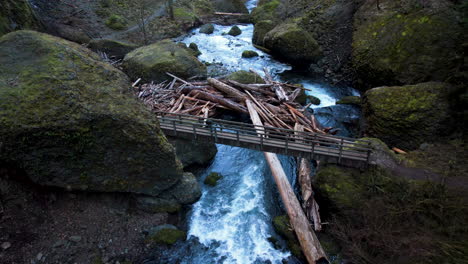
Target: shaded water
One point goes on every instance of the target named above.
(232, 221)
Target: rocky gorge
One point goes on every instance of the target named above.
(75, 143)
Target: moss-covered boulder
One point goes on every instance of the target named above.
(260, 30)
(69, 120)
(293, 44)
(406, 42)
(207, 29)
(230, 6)
(266, 10)
(245, 77)
(353, 100)
(284, 229)
(249, 54)
(165, 235)
(192, 152)
(152, 62)
(406, 116)
(17, 15)
(212, 179)
(111, 47)
(235, 31)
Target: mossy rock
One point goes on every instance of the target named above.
(245, 77)
(249, 54)
(152, 62)
(71, 33)
(266, 10)
(407, 116)
(313, 100)
(116, 22)
(207, 29)
(283, 228)
(235, 31)
(293, 44)
(17, 15)
(111, 47)
(212, 179)
(260, 30)
(407, 44)
(69, 120)
(230, 6)
(195, 50)
(353, 100)
(165, 235)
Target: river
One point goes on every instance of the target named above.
(232, 222)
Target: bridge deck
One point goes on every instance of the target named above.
(346, 151)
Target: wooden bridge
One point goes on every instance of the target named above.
(332, 149)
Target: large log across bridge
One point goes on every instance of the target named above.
(328, 148)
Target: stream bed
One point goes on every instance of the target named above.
(232, 222)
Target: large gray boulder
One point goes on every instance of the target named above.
(69, 120)
(152, 62)
(192, 152)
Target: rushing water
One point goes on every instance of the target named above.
(232, 221)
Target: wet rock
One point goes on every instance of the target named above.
(245, 77)
(293, 44)
(187, 190)
(212, 179)
(260, 30)
(111, 47)
(195, 50)
(407, 43)
(207, 29)
(407, 116)
(151, 204)
(235, 31)
(152, 62)
(165, 235)
(249, 54)
(193, 153)
(354, 100)
(68, 120)
(283, 228)
(266, 10)
(5, 245)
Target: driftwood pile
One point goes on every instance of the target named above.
(274, 101)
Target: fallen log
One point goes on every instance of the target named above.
(252, 88)
(310, 245)
(219, 100)
(231, 91)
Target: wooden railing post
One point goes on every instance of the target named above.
(341, 151)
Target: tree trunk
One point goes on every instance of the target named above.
(231, 91)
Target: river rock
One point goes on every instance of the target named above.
(235, 31)
(16, 15)
(194, 47)
(260, 30)
(152, 62)
(407, 116)
(293, 44)
(354, 100)
(230, 6)
(212, 179)
(266, 10)
(113, 48)
(249, 54)
(407, 43)
(207, 29)
(192, 152)
(245, 77)
(68, 120)
(165, 235)
(152, 204)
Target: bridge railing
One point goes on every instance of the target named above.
(287, 137)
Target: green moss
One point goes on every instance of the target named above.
(181, 13)
(17, 15)
(266, 11)
(116, 22)
(260, 30)
(235, 31)
(283, 228)
(354, 100)
(212, 179)
(152, 62)
(245, 77)
(167, 236)
(249, 54)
